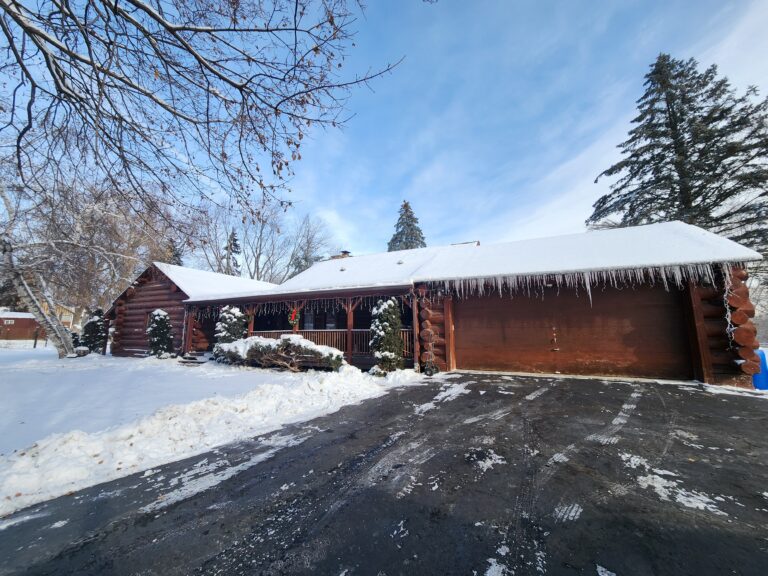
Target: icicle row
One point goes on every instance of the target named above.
(332, 305)
(528, 285)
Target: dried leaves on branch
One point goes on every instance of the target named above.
(171, 100)
(165, 107)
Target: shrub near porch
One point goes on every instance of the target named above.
(290, 351)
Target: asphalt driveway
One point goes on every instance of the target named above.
(470, 474)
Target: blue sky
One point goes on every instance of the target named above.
(502, 113)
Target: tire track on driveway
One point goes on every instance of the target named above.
(526, 538)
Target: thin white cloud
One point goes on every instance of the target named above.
(481, 158)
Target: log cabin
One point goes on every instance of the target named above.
(168, 287)
(665, 300)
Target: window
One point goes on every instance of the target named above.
(9, 322)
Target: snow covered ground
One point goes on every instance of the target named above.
(72, 423)
(24, 344)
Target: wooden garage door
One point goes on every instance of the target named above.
(632, 332)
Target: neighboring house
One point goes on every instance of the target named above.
(65, 314)
(661, 301)
(19, 326)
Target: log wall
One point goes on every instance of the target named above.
(728, 353)
(434, 342)
(152, 290)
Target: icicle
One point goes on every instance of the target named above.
(587, 282)
(727, 287)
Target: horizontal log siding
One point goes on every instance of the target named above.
(132, 310)
(432, 331)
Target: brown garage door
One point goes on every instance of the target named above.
(628, 332)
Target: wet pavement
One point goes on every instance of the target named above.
(469, 474)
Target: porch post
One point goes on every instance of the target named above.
(350, 325)
(450, 350)
(416, 343)
(189, 325)
(251, 317)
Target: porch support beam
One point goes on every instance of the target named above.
(189, 326)
(251, 311)
(416, 343)
(450, 347)
(349, 305)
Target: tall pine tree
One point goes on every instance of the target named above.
(698, 153)
(231, 251)
(407, 232)
(175, 254)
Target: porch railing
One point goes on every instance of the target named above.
(338, 339)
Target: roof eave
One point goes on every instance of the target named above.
(306, 295)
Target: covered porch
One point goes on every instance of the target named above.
(339, 322)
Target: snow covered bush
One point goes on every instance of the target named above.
(386, 342)
(290, 351)
(94, 335)
(232, 324)
(159, 334)
(232, 352)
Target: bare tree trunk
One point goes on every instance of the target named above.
(55, 331)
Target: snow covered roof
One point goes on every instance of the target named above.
(676, 249)
(201, 285)
(17, 315)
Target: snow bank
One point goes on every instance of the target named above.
(62, 463)
(24, 344)
(242, 346)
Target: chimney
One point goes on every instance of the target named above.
(342, 254)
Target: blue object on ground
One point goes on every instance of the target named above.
(760, 380)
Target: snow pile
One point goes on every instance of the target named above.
(65, 462)
(237, 351)
(298, 340)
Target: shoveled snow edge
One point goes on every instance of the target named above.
(64, 463)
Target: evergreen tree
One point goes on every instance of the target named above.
(94, 336)
(159, 334)
(231, 251)
(386, 342)
(407, 232)
(175, 255)
(698, 153)
(232, 325)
